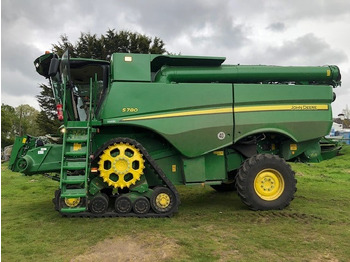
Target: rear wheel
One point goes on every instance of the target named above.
(266, 182)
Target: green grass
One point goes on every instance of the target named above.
(209, 226)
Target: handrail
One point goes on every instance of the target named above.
(90, 104)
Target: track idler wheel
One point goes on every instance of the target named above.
(99, 204)
(73, 202)
(123, 205)
(141, 205)
(162, 200)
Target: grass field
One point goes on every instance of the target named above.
(209, 226)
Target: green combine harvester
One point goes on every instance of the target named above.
(140, 124)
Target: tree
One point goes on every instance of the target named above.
(346, 121)
(25, 121)
(17, 121)
(346, 112)
(91, 46)
(47, 118)
(7, 125)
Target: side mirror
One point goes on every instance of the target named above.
(54, 64)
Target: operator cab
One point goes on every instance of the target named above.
(78, 81)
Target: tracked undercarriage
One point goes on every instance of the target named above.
(121, 162)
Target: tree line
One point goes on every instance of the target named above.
(19, 121)
(25, 119)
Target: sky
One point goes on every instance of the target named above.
(271, 32)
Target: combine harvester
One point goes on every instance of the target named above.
(140, 124)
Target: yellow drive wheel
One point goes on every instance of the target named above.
(121, 165)
(269, 184)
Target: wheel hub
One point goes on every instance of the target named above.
(163, 200)
(72, 202)
(269, 184)
(121, 166)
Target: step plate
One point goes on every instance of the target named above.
(72, 210)
(73, 193)
(73, 180)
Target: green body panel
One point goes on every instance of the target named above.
(133, 67)
(301, 109)
(208, 168)
(233, 160)
(195, 168)
(165, 109)
(172, 166)
(215, 166)
(143, 67)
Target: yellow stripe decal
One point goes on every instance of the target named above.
(187, 113)
(241, 109)
(281, 108)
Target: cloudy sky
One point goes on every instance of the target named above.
(280, 32)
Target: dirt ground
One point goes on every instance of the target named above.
(131, 248)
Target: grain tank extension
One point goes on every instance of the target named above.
(138, 125)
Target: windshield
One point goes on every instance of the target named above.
(76, 76)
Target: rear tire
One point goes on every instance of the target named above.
(266, 182)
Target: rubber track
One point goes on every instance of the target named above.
(153, 165)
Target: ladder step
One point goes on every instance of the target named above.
(77, 124)
(77, 149)
(71, 180)
(76, 127)
(73, 193)
(74, 165)
(75, 153)
(77, 138)
(73, 209)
